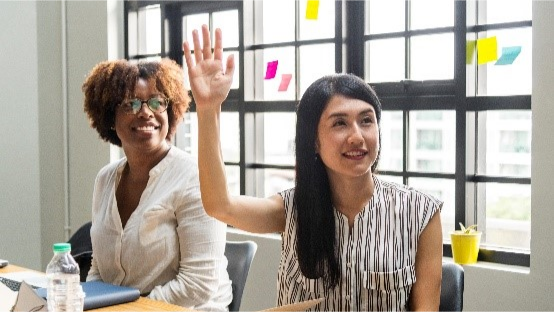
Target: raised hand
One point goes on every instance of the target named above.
(209, 81)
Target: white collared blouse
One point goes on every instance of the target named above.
(170, 248)
(377, 257)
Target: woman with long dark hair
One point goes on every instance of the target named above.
(349, 237)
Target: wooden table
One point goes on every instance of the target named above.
(141, 304)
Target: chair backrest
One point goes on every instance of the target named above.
(81, 249)
(239, 256)
(452, 287)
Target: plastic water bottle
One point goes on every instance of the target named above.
(64, 292)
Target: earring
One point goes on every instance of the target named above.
(315, 158)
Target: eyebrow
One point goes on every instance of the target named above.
(341, 114)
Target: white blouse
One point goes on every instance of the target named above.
(170, 248)
(377, 257)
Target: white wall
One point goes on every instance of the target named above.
(33, 148)
(49, 155)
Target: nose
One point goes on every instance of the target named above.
(144, 111)
(355, 137)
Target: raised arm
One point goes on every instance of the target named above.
(210, 83)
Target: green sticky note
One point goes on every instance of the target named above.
(470, 51)
(312, 9)
(486, 50)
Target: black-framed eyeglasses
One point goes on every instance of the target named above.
(155, 104)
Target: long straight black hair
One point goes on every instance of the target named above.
(315, 233)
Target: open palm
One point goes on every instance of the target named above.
(209, 82)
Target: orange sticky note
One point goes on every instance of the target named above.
(285, 80)
(312, 9)
(486, 50)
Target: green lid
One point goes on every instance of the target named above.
(61, 247)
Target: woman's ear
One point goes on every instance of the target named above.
(317, 146)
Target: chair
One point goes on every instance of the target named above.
(81, 249)
(452, 287)
(239, 256)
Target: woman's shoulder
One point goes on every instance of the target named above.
(111, 168)
(404, 190)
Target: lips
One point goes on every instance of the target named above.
(146, 128)
(355, 153)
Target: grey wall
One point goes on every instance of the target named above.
(39, 69)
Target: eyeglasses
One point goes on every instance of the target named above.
(155, 104)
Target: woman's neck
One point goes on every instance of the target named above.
(351, 195)
(140, 163)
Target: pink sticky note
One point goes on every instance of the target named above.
(285, 80)
(271, 69)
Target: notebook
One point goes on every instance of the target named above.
(99, 294)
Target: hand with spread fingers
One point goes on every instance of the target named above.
(209, 80)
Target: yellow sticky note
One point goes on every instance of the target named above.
(470, 51)
(486, 50)
(312, 9)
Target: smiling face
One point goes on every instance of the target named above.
(145, 130)
(348, 137)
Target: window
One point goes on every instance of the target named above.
(454, 78)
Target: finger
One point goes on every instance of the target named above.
(197, 48)
(230, 70)
(187, 55)
(218, 47)
(207, 49)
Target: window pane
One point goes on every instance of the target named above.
(192, 22)
(278, 143)
(132, 33)
(277, 180)
(392, 136)
(233, 179)
(269, 182)
(385, 60)
(431, 13)
(187, 135)
(432, 148)
(268, 89)
(389, 178)
(499, 11)
(444, 190)
(432, 57)
(505, 149)
(228, 22)
(323, 26)
(384, 16)
(508, 215)
(510, 79)
(277, 23)
(145, 30)
(315, 61)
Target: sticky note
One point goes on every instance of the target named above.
(508, 56)
(470, 51)
(285, 80)
(312, 9)
(486, 50)
(271, 69)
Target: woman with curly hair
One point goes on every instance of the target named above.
(349, 237)
(149, 229)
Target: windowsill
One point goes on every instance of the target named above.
(480, 265)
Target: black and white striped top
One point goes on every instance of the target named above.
(377, 256)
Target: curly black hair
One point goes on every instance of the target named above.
(111, 82)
